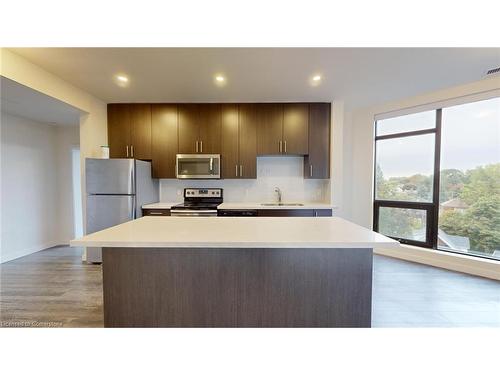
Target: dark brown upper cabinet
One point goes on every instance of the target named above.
(239, 132)
(239, 140)
(164, 144)
(283, 129)
(199, 128)
(270, 129)
(295, 128)
(129, 131)
(317, 163)
(140, 131)
(249, 117)
(210, 129)
(230, 147)
(189, 128)
(119, 130)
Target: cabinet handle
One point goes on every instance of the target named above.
(279, 147)
(310, 170)
(315, 213)
(236, 169)
(285, 147)
(196, 146)
(127, 151)
(201, 146)
(241, 170)
(132, 150)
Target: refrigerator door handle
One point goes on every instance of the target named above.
(132, 208)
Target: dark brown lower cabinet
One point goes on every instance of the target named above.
(237, 287)
(155, 212)
(323, 212)
(285, 212)
(294, 212)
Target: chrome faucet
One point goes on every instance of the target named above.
(278, 190)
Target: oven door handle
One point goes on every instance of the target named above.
(193, 212)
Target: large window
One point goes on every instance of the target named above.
(437, 178)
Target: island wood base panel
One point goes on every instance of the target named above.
(201, 287)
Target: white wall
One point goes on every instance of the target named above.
(283, 172)
(35, 185)
(93, 122)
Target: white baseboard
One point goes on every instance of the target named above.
(23, 252)
(442, 259)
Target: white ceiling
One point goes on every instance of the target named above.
(23, 101)
(359, 76)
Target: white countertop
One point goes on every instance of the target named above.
(259, 206)
(246, 206)
(237, 232)
(160, 205)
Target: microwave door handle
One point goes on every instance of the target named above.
(211, 165)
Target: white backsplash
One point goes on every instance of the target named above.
(283, 172)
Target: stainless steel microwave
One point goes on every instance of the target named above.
(202, 166)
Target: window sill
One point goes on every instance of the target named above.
(456, 262)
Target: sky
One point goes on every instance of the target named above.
(470, 136)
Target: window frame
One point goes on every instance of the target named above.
(431, 208)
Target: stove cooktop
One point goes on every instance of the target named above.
(200, 199)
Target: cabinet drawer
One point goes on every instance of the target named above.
(323, 212)
(155, 212)
(286, 212)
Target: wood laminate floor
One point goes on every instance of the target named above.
(53, 288)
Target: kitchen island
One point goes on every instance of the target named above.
(237, 272)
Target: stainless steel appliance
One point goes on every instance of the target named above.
(198, 202)
(116, 190)
(194, 166)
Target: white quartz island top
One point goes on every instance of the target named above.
(237, 232)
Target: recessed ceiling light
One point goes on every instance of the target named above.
(317, 78)
(220, 80)
(122, 80)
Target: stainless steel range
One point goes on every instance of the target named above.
(198, 202)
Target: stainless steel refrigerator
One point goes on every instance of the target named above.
(116, 190)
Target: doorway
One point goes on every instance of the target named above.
(77, 192)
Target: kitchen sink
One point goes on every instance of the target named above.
(282, 204)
